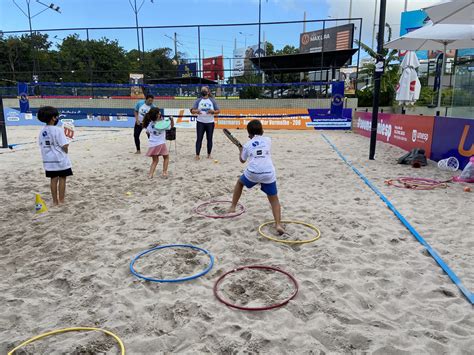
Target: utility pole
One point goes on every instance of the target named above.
(29, 16)
(379, 69)
(406, 6)
(375, 23)
(175, 48)
(259, 30)
(136, 10)
(350, 11)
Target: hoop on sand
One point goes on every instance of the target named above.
(258, 267)
(187, 278)
(65, 330)
(316, 237)
(417, 183)
(227, 215)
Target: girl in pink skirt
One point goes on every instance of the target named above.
(157, 141)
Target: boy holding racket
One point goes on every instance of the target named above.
(259, 170)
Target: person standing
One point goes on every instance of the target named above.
(141, 109)
(205, 108)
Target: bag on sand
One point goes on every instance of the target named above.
(416, 158)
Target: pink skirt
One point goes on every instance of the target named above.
(161, 149)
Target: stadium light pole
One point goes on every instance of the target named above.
(136, 10)
(379, 69)
(29, 16)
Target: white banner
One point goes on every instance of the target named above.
(179, 120)
(239, 60)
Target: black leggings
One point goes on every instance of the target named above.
(136, 134)
(200, 129)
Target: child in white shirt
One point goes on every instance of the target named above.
(260, 170)
(54, 147)
(157, 141)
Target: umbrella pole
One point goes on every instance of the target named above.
(443, 66)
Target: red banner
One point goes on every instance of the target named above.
(213, 68)
(404, 131)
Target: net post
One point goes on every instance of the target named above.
(3, 126)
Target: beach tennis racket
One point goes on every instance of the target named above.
(232, 138)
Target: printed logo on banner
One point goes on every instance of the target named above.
(28, 116)
(122, 118)
(13, 116)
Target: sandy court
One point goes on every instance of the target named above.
(365, 286)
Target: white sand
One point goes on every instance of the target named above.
(366, 286)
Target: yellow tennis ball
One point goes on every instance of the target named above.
(128, 193)
(216, 161)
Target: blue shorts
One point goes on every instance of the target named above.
(269, 189)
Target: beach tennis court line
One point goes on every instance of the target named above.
(454, 278)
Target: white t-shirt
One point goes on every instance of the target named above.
(205, 105)
(157, 137)
(257, 152)
(142, 108)
(51, 140)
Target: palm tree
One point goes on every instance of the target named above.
(390, 77)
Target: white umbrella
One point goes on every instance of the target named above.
(409, 87)
(436, 37)
(453, 12)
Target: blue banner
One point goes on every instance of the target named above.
(337, 98)
(23, 97)
(187, 70)
(453, 137)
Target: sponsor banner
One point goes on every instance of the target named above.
(80, 117)
(136, 91)
(337, 98)
(404, 131)
(187, 70)
(323, 119)
(332, 39)
(453, 137)
(23, 97)
(213, 68)
(182, 117)
(271, 118)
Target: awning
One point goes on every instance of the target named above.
(304, 62)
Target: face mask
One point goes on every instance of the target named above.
(203, 93)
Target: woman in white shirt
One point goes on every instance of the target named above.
(205, 108)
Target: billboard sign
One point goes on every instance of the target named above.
(331, 39)
(187, 70)
(411, 21)
(213, 68)
(136, 91)
(239, 58)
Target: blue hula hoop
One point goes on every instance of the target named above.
(205, 271)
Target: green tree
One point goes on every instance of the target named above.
(390, 76)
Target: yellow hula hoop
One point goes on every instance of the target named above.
(65, 330)
(318, 233)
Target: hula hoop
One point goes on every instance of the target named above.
(318, 233)
(417, 183)
(65, 330)
(266, 308)
(231, 215)
(187, 278)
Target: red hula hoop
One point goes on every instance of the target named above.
(236, 214)
(417, 183)
(260, 267)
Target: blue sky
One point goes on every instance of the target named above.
(103, 13)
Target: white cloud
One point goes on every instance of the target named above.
(365, 9)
